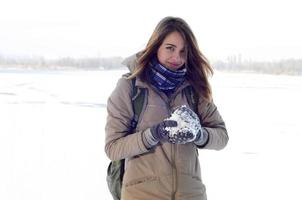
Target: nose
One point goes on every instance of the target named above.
(176, 57)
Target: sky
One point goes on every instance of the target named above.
(259, 30)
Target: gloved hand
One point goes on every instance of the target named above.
(181, 137)
(189, 127)
(160, 131)
(186, 136)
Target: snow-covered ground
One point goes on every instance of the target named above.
(52, 136)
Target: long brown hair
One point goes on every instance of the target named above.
(198, 67)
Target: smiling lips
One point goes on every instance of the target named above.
(174, 64)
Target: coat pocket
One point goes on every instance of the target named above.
(141, 180)
(149, 187)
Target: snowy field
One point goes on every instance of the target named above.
(52, 136)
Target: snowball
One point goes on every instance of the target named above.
(187, 121)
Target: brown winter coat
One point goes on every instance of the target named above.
(167, 171)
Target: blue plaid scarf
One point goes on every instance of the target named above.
(165, 79)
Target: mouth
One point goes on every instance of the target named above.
(174, 64)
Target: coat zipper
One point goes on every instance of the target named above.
(174, 172)
(174, 176)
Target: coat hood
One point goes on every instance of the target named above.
(131, 62)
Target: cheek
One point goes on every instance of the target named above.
(182, 62)
(161, 57)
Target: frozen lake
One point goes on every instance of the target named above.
(52, 136)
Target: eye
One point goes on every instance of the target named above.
(170, 48)
(183, 53)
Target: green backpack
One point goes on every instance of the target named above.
(115, 170)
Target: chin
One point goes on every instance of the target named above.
(174, 68)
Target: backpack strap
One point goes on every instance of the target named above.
(192, 97)
(138, 97)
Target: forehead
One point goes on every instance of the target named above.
(174, 38)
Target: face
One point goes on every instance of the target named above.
(171, 52)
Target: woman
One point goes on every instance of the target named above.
(161, 164)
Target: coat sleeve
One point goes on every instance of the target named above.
(118, 143)
(213, 124)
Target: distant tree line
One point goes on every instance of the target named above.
(284, 66)
(93, 63)
(232, 63)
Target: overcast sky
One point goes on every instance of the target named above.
(257, 29)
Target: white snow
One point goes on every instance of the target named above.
(52, 136)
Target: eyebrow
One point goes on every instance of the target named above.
(171, 44)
